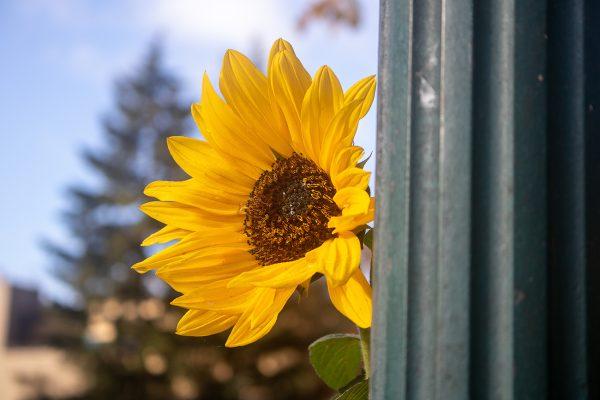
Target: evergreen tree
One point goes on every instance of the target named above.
(128, 346)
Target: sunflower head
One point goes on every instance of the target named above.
(288, 210)
(275, 196)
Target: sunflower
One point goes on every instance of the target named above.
(275, 198)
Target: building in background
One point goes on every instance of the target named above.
(30, 368)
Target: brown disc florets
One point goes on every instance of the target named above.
(288, 210)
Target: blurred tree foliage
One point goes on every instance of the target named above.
(336, 12)
(125, 340)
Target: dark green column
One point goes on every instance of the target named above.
(421, 332)
(487, 260)
(566, 167)
(509, 313)
(592, 192)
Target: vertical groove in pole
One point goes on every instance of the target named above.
(424, 200)
(493, 213)
(388, 355)
(509, 261)
(566, 168)
(530, 230)
(423, 191)
(530, 201)
(592, 187)
(493, 249)
(452, 373)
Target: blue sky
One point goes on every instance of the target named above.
(59, 59)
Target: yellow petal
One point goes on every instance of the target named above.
(196, 187)
(245, 332)
(276, 113)
(188, 217)
(188, 277)
(216, 296)
(264, 315)
(349, 222)
(189, 194)
(340, 133)
(198, 259)
(246, 90)
(198, 159)
(353, 299)
(322, 100)
(261, 309)
(192, 245)
(228, 134)
(352, 177)
(352, 201)
(285, 274)
(204, 323)
(278, 46)
(346, 157)
(164, 235)
(289, 82)
(339, 257)
(363, 90)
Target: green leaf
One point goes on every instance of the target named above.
(360, 391)
(336, 359)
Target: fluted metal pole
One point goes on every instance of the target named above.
(509, 250)
(421, 332)
(566, 167)
(488, 187)
(592, 192)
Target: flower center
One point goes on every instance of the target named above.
(288, 211)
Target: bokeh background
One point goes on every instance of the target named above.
(89, 90)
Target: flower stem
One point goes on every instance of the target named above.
(365, 348)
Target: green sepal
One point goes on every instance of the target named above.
(368, 239)
(363, 162)
(360, 230)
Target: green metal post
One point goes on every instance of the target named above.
(421, 332)
(592, 191)
(509, 259)
(486, 273)
(566, 167)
